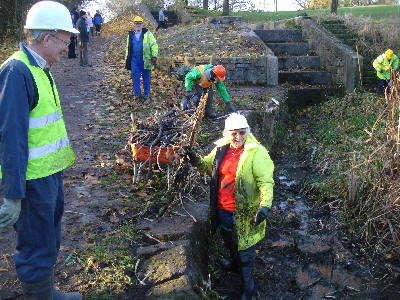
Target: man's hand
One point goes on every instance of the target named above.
(9, 212)
(261, 214)
(154, 60)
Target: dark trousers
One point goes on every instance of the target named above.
(98, 29)
(72, 47)
(83, 53)
(201, 91)
(382, 85)
(246, 257)
(39, 228)
(162, 24)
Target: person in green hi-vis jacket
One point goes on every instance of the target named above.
(203, 77)
(383, 65)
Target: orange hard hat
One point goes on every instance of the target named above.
(219, 71)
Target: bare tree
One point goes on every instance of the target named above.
(334, 6)
(225, 8)
(301, 3)
(205, 4)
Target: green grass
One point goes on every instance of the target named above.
(373, 11)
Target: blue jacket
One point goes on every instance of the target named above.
(18, 96)
(97, 19)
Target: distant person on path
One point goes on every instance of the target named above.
(73, 43)
(141, 57)
(241, 192)
(162, 19)
(34, 149)
(383, 64)
(84, 29)
(89, 20)
(97, 21)
(203, 77)
(74, 15)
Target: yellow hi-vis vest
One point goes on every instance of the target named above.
(203, 81)
(48, 143)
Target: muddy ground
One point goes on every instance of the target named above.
(305, 254)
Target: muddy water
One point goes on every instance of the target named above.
(304, 255)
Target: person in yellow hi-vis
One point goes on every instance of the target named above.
(35, 149)
(383, 64)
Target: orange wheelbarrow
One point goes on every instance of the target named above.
(161, 155)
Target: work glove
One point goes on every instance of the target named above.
(9, 212)
(261, 215)
(230, 106)
(194, 158)
(154, 60)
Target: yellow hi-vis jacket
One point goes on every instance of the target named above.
(254, 185)
(383, 66)
(49, 147)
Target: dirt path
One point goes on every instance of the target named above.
(85, 197)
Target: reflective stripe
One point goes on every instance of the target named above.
(45, 120)
(204, 79)
(153, 43)
(49, 148)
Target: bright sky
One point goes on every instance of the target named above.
(266, 5)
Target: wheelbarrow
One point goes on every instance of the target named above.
(161, 156)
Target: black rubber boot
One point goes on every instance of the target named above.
(57, 295)
(234, 265)
(246, 264)
(209, 110)
(38, 290)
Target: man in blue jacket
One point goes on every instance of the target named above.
(35, 149)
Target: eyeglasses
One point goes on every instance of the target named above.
(235, 133)
(138, 23)
(66, 44)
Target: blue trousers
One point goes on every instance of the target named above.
(39, 228)
(138, 71)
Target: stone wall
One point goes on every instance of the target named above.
(336, 57)
(239, 70)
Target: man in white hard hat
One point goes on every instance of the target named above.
(34, 149)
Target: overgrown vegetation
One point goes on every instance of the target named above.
(357, 150)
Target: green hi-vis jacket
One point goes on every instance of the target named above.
(382, 66)
(48, 143)
(194, 76)
(253, 187)
(150, 49)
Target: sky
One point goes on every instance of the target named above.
(266, 5)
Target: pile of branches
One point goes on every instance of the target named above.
(161, 129)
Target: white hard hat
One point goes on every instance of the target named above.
(49, 15)
(235, 121)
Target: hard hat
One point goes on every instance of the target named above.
(138, 19)
(49, 15)
(220, 72)
(235, 121)
(389, 54)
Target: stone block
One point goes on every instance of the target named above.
(272, 70)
